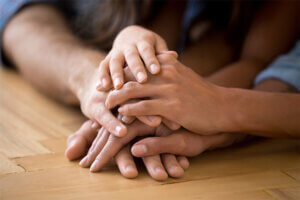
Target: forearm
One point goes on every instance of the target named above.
(239, 74)
(261, 45)
(266, 114)
(40, 44)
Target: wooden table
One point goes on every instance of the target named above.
(33, 132)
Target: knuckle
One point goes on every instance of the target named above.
(130, 52)
(145, 47)
(169, 72)
(114, 60)
(148, 36)
(130, 86)
(166, 58)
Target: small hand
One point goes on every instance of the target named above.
(135, 46)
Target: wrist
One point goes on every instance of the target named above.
(84, 73)
(231, 119)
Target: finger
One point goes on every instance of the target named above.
(173, 53)
(183, 161)
(127, 119)
(114, 144)
(147, 53)
(135, 64)
(105, 79)
(160, 44)
(96, 149)
(110, 149)
(150, 120)
(131, 90)
(171, 125)
(172, 166)
(126, 163)
(78, 142)
(141, 108)
(173, 144)
(155, 168)
(95, 125)
(110, 122)
(116, 65)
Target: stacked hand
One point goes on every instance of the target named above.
(166, 97)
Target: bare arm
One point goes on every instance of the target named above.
(273, 31)
(40, 44)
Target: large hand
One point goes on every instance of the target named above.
(105, 146)
(135, 46)
(92, 106)
(79, 142)
(178, 94)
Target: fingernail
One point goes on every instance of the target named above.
(140, 149)
(150, 118)
(99, 86)
(158, 169)
(129, 168)
(119, 130)
(141, 77)
(93, 168)
(104, 82)
(94, 125)
(83, 162)
(117, 83)
(121, 110)
(126, 119)
(154, 68)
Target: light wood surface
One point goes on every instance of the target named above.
(33, 132)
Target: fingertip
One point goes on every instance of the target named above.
(176, 171)
(154, 69)
(94, 167)
(159, 174)
(118, 83)
(184, 162)
(120, 130)
(76, 148)
(130, 172)
(141, 77)
(139, 150)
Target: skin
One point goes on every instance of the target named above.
(70, 79)
(159, 167)
(192, 142)
(207, 105)
(133, 45)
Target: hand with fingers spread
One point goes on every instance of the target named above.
(158, 166)
(135, 46)
(179, 95)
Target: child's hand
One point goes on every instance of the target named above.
(137, 47)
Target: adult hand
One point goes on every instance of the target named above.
(184, 143)
(178, 94)
(135, 46)
(106, 145)
(92, 106)
(79, 142)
